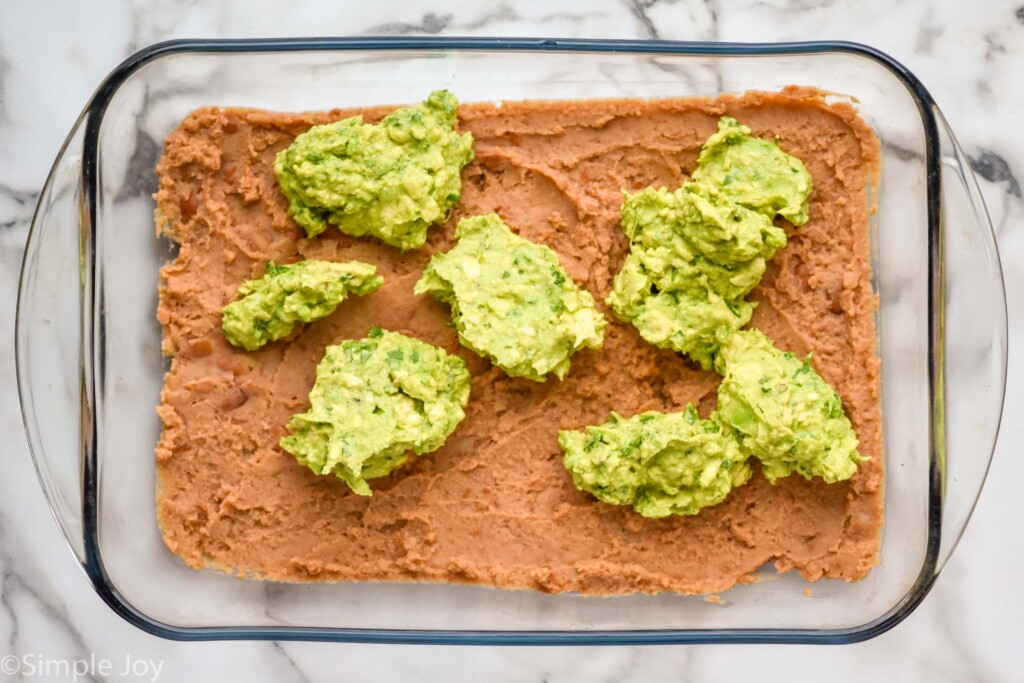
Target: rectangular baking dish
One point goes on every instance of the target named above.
(90, 368)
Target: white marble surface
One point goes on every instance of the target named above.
(970, 55)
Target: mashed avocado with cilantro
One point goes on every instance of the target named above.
(390, 180)
(374, 400)
(661, 464)
(754, 172)
(512, 301)
(268, 308)
(785, 413)
(695, 253)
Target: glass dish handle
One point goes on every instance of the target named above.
(48, 337)
(973, 330)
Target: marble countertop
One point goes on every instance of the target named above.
(971, 57)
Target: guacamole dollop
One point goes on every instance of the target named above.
(391, 180)
(268, 308)
(754, 172)
(374, 400)
(660, 463)
(695, 253)
(512, 301)
(784, 412)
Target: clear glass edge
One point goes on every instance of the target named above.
(23, 378)
(969, 184)
(93, 564)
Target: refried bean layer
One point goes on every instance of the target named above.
(494, 506)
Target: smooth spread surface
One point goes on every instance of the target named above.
(495, 505)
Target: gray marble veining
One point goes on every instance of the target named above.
(995, 169)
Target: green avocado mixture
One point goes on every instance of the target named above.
(268, 308)
(512, 301)
(391, 180)
(661, 464)
(785, 413)
(374, 400)
(695, 253)
(693, 256)
(754, 172)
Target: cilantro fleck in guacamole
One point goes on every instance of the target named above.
(268, 308)
(374, 400)
(512, 301)
(695, 253)
(785, 413)
(660, 463)
(390, 180)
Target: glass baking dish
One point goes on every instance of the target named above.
(90, 368)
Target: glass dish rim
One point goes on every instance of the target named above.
(93, 562)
